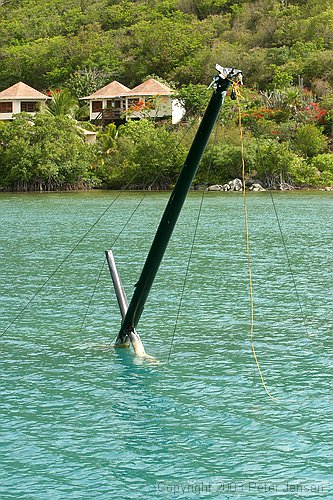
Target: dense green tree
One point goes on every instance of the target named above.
(223, 162)
(45, 43)
(160, 46)
(45, 152)
(276, 163)
(194, 98)
(143, 156)
(86, 81)
(323, 164)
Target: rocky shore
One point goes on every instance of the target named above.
(237, 185)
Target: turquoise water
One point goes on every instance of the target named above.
(80, 420)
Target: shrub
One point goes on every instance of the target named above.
(315, 172)
(86, 81)
(223, 162)
(323, 162)
(44, 152)
(144, 156)
(194, 98)
(282, 79)
(276, 163)
(309, 140)
(303, 173)
(324, 165)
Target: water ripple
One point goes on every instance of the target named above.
(80, 420)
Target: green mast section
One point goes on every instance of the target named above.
(130, 320)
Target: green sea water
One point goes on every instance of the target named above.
(80, 420)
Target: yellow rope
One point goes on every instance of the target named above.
(237, 93)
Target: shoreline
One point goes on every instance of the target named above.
(193, 188)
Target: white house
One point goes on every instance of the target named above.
(156, 100)
(18, 98)
(153, 99)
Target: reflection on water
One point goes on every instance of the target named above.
(80, 419)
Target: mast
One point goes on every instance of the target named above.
(133, 313)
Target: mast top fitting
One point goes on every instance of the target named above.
(230, 74)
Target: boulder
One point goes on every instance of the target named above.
(236, 185)
(257, 187)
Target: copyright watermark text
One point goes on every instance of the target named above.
(237, 487)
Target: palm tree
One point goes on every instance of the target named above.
(62, 103)
(108, 137)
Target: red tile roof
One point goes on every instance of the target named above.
(113, 89)
(21, 91)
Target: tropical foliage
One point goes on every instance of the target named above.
(51, 43)
(141, 156)
(43, 153)
(284, 47)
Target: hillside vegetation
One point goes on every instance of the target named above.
(284, 47)
(44, 43)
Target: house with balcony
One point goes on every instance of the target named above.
(20, 98)
(117, 103)
(108, 104)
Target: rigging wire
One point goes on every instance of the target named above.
(38, 291)
(57, 268)
(190, 255)
(19, 314)
(92, 296)
(247, 240)
(129, 219)
(104, 260)
(152, 183)
(284, 246)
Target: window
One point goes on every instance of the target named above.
(29, 106)
(114, 104)
(6, 107)
(96, 106)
